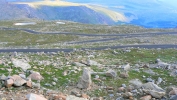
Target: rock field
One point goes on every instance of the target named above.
(120, 74)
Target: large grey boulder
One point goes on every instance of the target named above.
(85, 80)
(153, 90)
(21, 63)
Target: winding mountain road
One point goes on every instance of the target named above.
(114, 36)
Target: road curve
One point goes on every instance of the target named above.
(163, 46)
(86, 34)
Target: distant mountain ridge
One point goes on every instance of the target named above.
(72, 13)
(146, 13)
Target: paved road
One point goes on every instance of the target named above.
(99, 48)
(85, 34)
(114, 37)
(108, 37)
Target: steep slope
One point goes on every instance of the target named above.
(74, 13)
(9, 11)
(115, 16)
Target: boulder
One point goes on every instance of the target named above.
(21, 63)
(85, 80)
(155, 94)
(32, 96)
(35, 76)
(18, 81)
(153, 90)
(152, 86)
